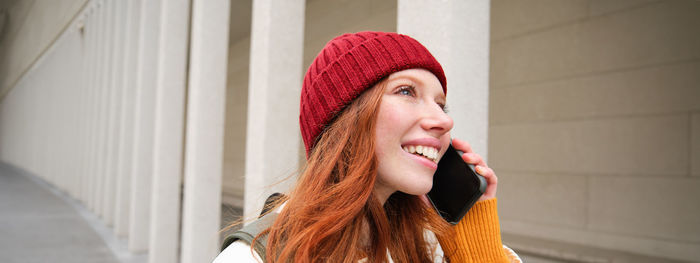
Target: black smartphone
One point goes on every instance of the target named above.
(456, 186)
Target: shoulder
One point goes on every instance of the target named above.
(238, 251)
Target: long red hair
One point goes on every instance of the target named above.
(333, 215)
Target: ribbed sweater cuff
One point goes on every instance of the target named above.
(478, 236)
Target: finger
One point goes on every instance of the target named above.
(491, 180)
(487, 173)
(473, 158)
(483, 170)
(461, 145)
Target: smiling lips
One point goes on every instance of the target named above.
(428, 152)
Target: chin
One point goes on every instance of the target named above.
(419, 189)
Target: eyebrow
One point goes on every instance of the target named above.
(409, 77)
(417, 82)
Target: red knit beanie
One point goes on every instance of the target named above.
(350, 64)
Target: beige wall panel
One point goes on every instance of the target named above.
(235, 132)
(326, 21)
(601, 7)
(24, 40)
(664, 208)
(544, 198)
(655, 34)
(695, 145)
(546, 55)
(656, 146)
(511, 18)
(664, 89)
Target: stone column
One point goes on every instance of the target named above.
(142, 173)
(85, 97)
(46, 132)
(89, 30)
(108, 98)
(273, 137)
(73, 102)
(94, 102)
(458, 36)
(103, 106)
(115, 91)
(126, 145)
(205, 130)
(170, 105)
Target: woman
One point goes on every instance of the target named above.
(374, 125)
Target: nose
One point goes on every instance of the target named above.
(436, 121)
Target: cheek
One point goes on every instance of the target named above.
(391, 116)
(387, 141)
(445, 142)
(388, 124)
(388, 116)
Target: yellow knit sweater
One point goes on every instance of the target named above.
(478, 238)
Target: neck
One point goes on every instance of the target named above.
(383, 193)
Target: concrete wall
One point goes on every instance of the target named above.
(595, 122)
(323, 22)
(236, 103)
(63, 116)
(326, 19)
(23, 40)
(236, 108)
(45, 95)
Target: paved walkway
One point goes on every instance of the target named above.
(41, 224)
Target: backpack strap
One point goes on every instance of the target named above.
(249, 232)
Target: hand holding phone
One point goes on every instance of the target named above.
(456, 186)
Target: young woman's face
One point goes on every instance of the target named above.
(412, 133)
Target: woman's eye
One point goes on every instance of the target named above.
(407, 91)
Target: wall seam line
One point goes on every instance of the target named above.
(590, 118)
(587, 16)
(596, 73)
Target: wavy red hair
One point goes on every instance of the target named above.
(332, 214)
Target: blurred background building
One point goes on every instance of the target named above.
(160, 118)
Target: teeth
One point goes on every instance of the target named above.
(427, 151)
